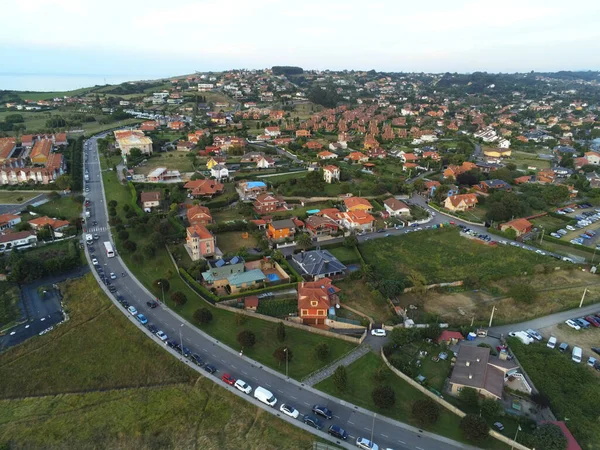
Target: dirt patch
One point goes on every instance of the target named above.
(586, 339)
(356, 294)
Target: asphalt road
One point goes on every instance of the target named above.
(15, 209)
(356, 421)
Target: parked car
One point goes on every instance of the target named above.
(161, 335)
(551, 342)
(366, 444)
(210, 368)
(141, 319)
(196, 358)
(522, 336)
(289, 410)
(152, 304)
(499, 426)
(593, 321)
(338, 432)
(132, 310)
(378, 332)
(572, 324)
(563, 347)
(313, 421)
(582, 322)
(596, 350)
(228, 379)
(534, 334)
(322, 411)
(570, 228)
(241, 385)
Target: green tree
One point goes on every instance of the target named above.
(123, 235)
(474, 428)
(383, 396)
(130, 246)
(469, 396)
(350, 241)
(246, 338)
(112, 204)
(149, 250)
(283, 353)
(322, 351)
(63, 182)
(179, 298)
(426, 412)
(280, 332)
(490, 408)
(203, 316)
(304, 241)
(161, 285)
(340, 378)
(549, 437)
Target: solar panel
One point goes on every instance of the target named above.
(220, 263)
(235, 260)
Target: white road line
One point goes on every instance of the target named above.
(385, 435)
(223, 361)
(368, 429)
(307, 404)
(245, 373)
(351, 423)
(337, 417)
(280, 391)
(267, 384)
(419, 448)
(295, 398)
(402, 442)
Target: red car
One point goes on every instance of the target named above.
(593, 320)
(228, 379)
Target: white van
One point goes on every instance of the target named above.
(576, 355)
(551, 342)
(264, 396)
(522, 336)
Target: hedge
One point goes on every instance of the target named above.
(177, 225)
(134, 197)
(568, 244)
(291, 270)
(226, 200)
(198, 288)
(279, 287)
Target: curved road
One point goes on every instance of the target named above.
(357, 421)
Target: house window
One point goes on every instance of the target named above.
(313, 303)
(321, 312)
(304, 312)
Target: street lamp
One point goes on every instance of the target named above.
(181, 339)
(163, 292)
(286, 362)
(373, 427)
(515, 439)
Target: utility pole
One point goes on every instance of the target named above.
(181, 339)
(582, 297)
(163, 292)
(515, 440)
(492, 316)
(286, 362)
(542, 238)
(373, 427)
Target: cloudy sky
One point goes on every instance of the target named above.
(161, 38)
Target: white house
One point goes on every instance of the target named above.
(503, 143)
(396, 208)
(18, 239)
(265, 163)
(220, 172)
(331, 174)
(9, 220)
(272, 131)
(593, 158)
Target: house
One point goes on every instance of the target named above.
(250, 189)
(593, 158)
(219, 172)
(321, 226)
(281, 229)
(408, 157)
(314, 300)
(213, 161)
(250, 279)
(8, 221)
(331, 173)
(453, 171)
(268, 203)
(357, 157)
(150, 200)
(477, 369)
(19, 239)
(176, 125)
(357, 204)
(358, 220)
(149, 125)
(313, 145)
(199, 242)
(326, 155)
(497, 152)
(126, 140)
(204, 188)
(41, 152)
(251, 303)
(162, 174)
(460, 202)
(396, 208)
(491, 185)
(520, 226)
(220, 269)
(317, 264)
(199, 215)
(265, 162)
(272, 131)
(302, 133)
(41, 222)
(431, 186)
(7, 147)
(185, 146)
(450, 337)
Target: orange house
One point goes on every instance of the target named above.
(281, 229)
(314, 300)
(41, 151)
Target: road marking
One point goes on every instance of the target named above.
(419, 448)
(267, 384)
(351, 423)
(337, 417)
(307, 404)
(223, 361)
(350, 436)
(368, 429)
(280, 391)
(245, 373)
(295, 398)
(384, 435)
(402, 442)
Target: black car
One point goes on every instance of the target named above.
(152, 329)
(322, 411)
(186, 351)
(172, 344)
(210, 368)
(120, 298)
(125, 304)
(196, 358)
(596, 350)
(313, 421)
(338, 432)
(112, 289)
(152, 304)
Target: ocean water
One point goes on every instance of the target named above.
(62, 82)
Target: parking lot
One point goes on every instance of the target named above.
(585, 230)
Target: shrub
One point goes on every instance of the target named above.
(130, 246)
(474, 428)
(469, 396)
(522, 293)
(340, 378)
(490, 407)
(161, 285)
(383, 396)
(322, 351)
(123, 235)
(281, 354)
(246, 338)
(549, 437)
(179, 298)
(426, 412)
(280, 332)
(203, 315)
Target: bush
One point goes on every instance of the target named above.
(549, 437)
(322, 351)
(246, 338)
(179, 298)
(280, 332)
(469, 396)
(383, 396)
(474, 428)
(426, 412)
(130, 246)
(123, 235)
(490, 408)
(340, 378)
(198, 288)
(203, 316)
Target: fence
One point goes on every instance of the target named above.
(433, 286)
(447, 405)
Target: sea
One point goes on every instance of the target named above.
(62, 82)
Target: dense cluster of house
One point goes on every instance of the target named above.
(12, 239)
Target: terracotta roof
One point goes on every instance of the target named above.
(204, 187)
(395, 205)
(446, 335)
(359, 217)
(41, 148)
(199, 231)
(7, 145)
(55, 224)
(331, 168)
(353, 202)
(315, 294)
(522, 225)
(198, 213)
(150, 197)
(5, 218)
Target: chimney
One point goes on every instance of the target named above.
(468, 363)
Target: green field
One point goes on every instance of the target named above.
(523, 160)
(361, 383)
(357, 295)
(442, 255)
(35, 96)
(172, 160)
(66, 207)
(98, 382)
(232, 241)
(17, 197)
(9, 299)
(345, 255)
(550, 223)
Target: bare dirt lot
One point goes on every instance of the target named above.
(586, 339)
(557, 291)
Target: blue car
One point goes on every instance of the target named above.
(141, 319)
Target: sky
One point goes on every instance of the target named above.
(150, 38)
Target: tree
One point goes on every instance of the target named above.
(112, 204)
(135, 153)
(322, 351)
(419, 185)
(383, 396)
(123, 235)
(280, 332)
(474, 428)
(281, 354)
(490, 407)
(304, 241)
(130, 246)
(469, 396)
(426, 412)
(179, 298)
(246, 338)
(149, 250)
(203, 316)
(340, 378)
(161, 285)
(350, 241)
(63, 182)
(549, 437)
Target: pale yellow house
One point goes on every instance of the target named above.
(460, 202)
(497, 152)
(127, 140)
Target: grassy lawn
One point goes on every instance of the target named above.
(549, 223)
(357, 295)
(173, 160)
(346, 255)
(361, 383)
(284, 177)
(232, 241)
(523, 160)
(16, 197)
(9, 299)
(434, 372)
(65, 207)
(224, 326)
(26, 95)
(227, 214)
(151, 401)
(442, 255)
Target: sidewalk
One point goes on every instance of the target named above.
(327, 371)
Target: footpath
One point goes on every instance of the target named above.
(327, 371)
